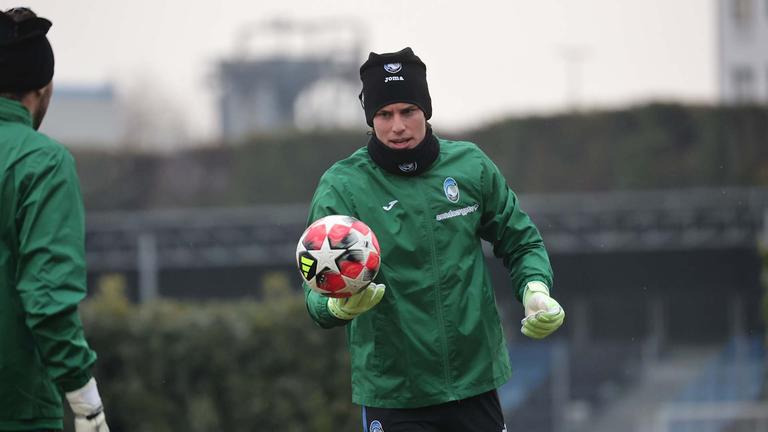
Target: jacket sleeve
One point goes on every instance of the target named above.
(52, 275)
(514, 237)
(328, 200)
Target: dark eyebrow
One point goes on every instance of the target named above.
(410, 107)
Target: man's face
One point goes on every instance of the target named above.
(44, 98)
(400, 125)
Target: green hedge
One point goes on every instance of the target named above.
(244, 366)
(653, 146)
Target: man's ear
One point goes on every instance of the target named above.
(42, 91)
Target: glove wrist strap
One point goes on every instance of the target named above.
(86, 400)
(535, 287)
(334, 309)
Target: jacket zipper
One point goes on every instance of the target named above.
(429, 229)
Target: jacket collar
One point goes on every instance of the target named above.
(407, 162)
(13, 111)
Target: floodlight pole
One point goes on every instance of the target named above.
(574, 57)
(147, 266)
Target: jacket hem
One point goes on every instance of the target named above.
(30, 425)
(430, 400)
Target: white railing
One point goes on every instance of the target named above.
(740, 416)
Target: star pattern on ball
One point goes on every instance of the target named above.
(326, 257)
(365, 245)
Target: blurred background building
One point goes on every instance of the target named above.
(85, 116)
(743, 50)
(287, 74)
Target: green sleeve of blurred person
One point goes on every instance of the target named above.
(328, 200)
(42, 263)
(514, 237)
(52, 272)
(43, 352)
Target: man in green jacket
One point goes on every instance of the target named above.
(43, 352)
(431, 354)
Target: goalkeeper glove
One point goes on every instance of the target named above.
(349, 307)
(543, 314)
(86, 405)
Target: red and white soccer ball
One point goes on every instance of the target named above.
(338, 256)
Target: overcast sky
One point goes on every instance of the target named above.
(486, 59)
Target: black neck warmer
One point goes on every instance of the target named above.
(407, 162)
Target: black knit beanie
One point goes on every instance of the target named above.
(26, 57)
(394, 77)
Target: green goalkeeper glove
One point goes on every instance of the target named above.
(349, 307)
(543, 314)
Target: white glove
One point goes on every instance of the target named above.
(543, 314)
(350, 307)
(86, 405)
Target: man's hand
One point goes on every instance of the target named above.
(86, 405)
(543, 314)
(349, 307)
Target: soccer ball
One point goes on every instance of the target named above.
(338, 256)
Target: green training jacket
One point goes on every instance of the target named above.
(436, 336)
(42, 275)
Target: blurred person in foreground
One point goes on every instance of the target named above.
(430, 354)
(43, 351)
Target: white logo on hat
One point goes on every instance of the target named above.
(393, 67)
